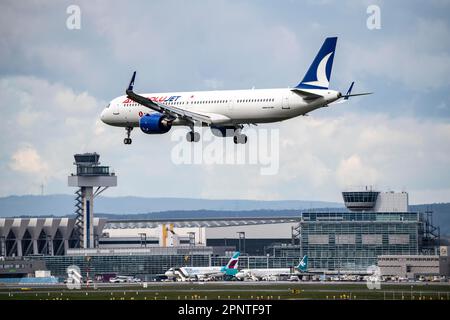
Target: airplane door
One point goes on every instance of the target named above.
(230, 105)
(285, 103)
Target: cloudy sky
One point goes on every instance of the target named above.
(55, 81)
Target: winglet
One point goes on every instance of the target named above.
(349, 91)
(130, 86)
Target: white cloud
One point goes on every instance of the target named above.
(320, 156)
(27, 160)
(224, 44)
(353, 172)
(418, 59)
(45, 124)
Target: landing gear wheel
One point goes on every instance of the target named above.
(196, 137)
(240, 139)
(128, 140)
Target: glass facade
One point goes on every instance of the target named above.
(267, 261)
(143, 266)
(254, 247)
(352, 241)
(147, 267)
(364, 196)
(333, 241)
(364, 200)
(95, 171)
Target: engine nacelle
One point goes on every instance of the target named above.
(223, 131)
(155, 123)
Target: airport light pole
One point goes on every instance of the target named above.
(241, 235)
(143, 239)
(88, 260)
(191, 238)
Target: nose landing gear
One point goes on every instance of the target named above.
(128, 140)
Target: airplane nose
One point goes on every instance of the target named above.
(103, 116)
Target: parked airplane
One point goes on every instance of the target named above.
(270, 273)
(202, 273)
(226, 112)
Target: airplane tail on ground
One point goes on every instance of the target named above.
(319, 73)
(303, 264)
(231, 268)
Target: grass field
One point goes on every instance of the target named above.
(234, 291)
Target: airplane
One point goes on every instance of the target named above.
(226, 112)
(202, 273)
(269, 273)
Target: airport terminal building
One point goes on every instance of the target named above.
(372, 225)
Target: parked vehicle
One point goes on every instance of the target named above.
(119, 279)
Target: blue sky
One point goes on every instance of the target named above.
(54, 82)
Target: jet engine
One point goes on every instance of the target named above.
(155, 123)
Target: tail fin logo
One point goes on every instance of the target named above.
(303, 265)
(319, 73)
(232, 266)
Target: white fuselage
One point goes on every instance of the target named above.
(227, 108)
(194, 272)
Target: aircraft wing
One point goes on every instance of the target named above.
(174, 112)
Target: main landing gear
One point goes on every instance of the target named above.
(128, 140)
(193, 136)
(239, 138)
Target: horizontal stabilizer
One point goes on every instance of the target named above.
(349, 92)
(357, 94)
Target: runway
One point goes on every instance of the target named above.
(229, 290)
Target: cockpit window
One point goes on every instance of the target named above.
(108, 105)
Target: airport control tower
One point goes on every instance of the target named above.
(89, 174)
